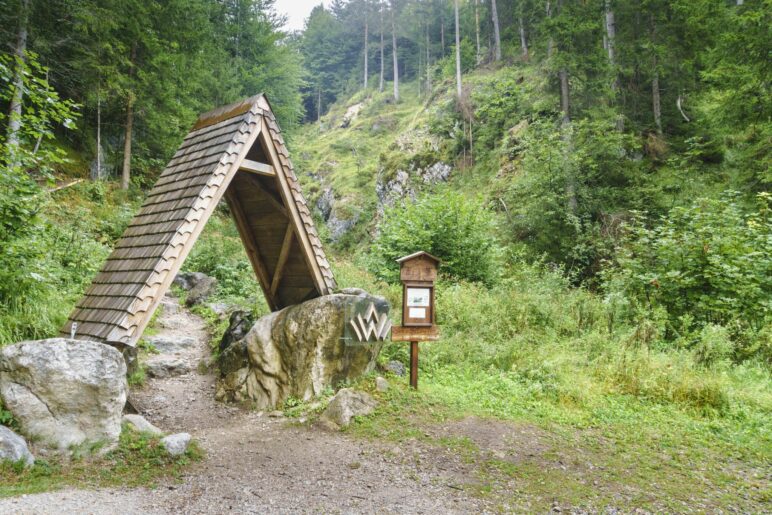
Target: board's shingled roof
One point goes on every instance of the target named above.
(118, 305)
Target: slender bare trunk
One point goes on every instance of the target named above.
(394, 55)
(14, 119)
(655, 99)
(442, 35)
(496, 33)
(380, 82)
(319, 104)
(366, 49)
(740, 2)
(97, 175)
(523, 40)
(458, 54)
(564, 95)
(126, 171)
(550, 40)
(655, 95)
(477, 29)
(428, 63)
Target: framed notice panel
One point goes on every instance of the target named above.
(417, 310)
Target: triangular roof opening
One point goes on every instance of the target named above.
(234, 152)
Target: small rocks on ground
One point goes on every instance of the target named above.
(165, 366)
(346, 405)
(396, 368)
(13, 448)
(171, 345)
(176, 444)
(141, 424)
(381, 384)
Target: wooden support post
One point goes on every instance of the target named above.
(414, 365)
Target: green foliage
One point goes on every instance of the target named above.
(456, 229)
(703, 264)
(576, 186)
(139, 460)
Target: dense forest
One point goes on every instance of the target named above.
(594, 175)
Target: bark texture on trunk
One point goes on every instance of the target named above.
(14, 111)
(428, 63)
(655, 99)
(477, 29)
(496, 33)
(366, 50)
(380, 81)
(126, 169)
(523, 40)
(458, 54)
(550, 41)
(394, 55)
(565, 104)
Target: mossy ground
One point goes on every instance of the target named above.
(139, 461)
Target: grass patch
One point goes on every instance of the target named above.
(139, 461)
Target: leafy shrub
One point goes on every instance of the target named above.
(456, 229)
(704, 264)
(591, 159)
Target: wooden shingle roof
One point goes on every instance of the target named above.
(236, 152)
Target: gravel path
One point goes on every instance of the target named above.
(258, 464)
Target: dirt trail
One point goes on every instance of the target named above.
(258, 464)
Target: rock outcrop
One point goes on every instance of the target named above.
(64, 393)
(13, 448)
(346, 405)
(199, 286)
(298, 351)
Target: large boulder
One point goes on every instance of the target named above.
(13, 448)
(64, 393)
(300, 351)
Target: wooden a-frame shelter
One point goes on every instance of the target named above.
(236, 152)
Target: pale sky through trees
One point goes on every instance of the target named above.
(297, 11)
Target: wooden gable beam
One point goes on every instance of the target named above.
(292, 209)
(251, 246)
(283, 255)
(276, 203)
(257, 167)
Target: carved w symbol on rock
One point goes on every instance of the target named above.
(372, 326)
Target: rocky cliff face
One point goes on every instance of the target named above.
(299, 352)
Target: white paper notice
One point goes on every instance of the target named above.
(417, 313)
(418, 297)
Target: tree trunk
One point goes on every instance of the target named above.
(126, 171)
(458, 54)
(319, 104)
(477, 30)
(380, 82)
(14, 119)
(655, 99)
(550, 41)
(428, 63)
(656, 102)
(366, 49)
(523, 40)
(564, 95)
(496, 33)
(394, 55)
(98, 172)
(442, 36)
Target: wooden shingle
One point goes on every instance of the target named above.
(289, 264)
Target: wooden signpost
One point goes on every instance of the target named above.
(418, 273)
